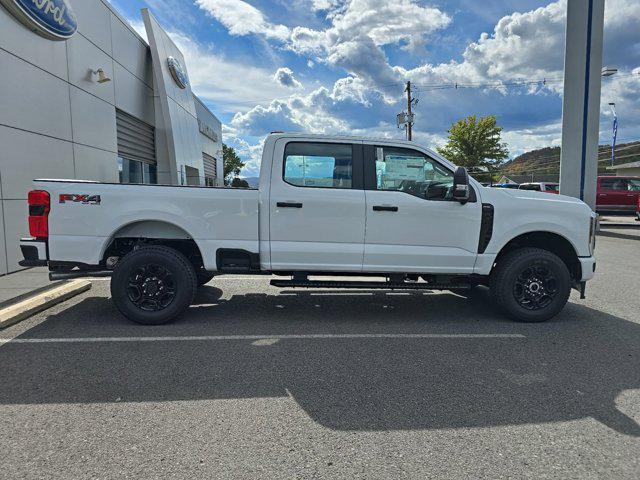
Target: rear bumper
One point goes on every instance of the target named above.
(34, 253)
(588, 268)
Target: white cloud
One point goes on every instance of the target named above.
(212, 75)
(530, 46)
(284, 77)
(387, 22)
(241, 18)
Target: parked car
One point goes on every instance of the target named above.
(617, 194)
(325, 206)
(541, 187)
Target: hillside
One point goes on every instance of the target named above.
(547, 160)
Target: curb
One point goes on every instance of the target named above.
(24, 308)
(630, 226)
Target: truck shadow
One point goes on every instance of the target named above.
(571, 368)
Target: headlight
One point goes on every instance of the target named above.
(592, 234)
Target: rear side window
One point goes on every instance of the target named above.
(324, 165)
(613, 183)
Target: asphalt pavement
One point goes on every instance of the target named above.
(260, 382)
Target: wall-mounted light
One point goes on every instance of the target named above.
(608, 71)
(102, 77)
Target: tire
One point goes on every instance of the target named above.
(204, 277)
(531, 285)
(153, 285)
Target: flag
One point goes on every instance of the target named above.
(615, 134)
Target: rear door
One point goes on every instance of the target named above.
(317, 206)
(413, 225)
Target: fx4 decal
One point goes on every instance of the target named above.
(77, 198)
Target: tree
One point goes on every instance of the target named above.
(232, 164)
(475, 143)
(238, 182)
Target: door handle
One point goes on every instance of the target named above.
(384, 208)
(289, 204)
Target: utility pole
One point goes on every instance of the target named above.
(409, 114)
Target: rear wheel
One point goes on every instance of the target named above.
(152, 285)
(531, 284)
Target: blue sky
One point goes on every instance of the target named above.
(338, 66)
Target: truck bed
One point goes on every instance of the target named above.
(86, 216)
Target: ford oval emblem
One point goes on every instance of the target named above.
(52, 19)
(178, 73)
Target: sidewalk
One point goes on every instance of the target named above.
(23, 283)
(29, 291)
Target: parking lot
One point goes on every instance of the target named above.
(260, 382)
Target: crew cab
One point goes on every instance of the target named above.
(329, 211)
(617, 194)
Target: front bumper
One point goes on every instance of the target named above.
(588, 268)
(34, 253)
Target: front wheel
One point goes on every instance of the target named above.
(531, 284)
(152, 285)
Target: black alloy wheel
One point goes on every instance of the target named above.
(153, 284)
(151, 287)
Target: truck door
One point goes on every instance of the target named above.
(413, 225)
(317, 206)
(614, 194)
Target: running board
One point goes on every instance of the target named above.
(370, 285)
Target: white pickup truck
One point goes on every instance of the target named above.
(327, 207)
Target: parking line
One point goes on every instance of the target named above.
(311, 336)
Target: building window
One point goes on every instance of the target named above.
(136, 150)
(210, 170)
(134, 171)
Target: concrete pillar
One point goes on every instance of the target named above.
(581, 101)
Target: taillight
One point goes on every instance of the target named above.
(39, 206)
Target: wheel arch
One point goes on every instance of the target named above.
(156, 232)
(550, 241)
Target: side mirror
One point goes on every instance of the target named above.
(461, 185)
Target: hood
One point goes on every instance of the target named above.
(531, 198)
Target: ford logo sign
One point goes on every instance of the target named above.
(178, 73)
(52, 19)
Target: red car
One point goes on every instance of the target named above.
(617, 194)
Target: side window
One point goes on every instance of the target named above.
(634, 185)
(324, 165)
(410, 171)
(613, 184)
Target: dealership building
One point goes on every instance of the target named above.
(84, 96)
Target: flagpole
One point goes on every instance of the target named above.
(614, 132)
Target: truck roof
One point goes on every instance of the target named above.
(352, 138)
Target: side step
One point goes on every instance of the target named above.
(370, 285)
